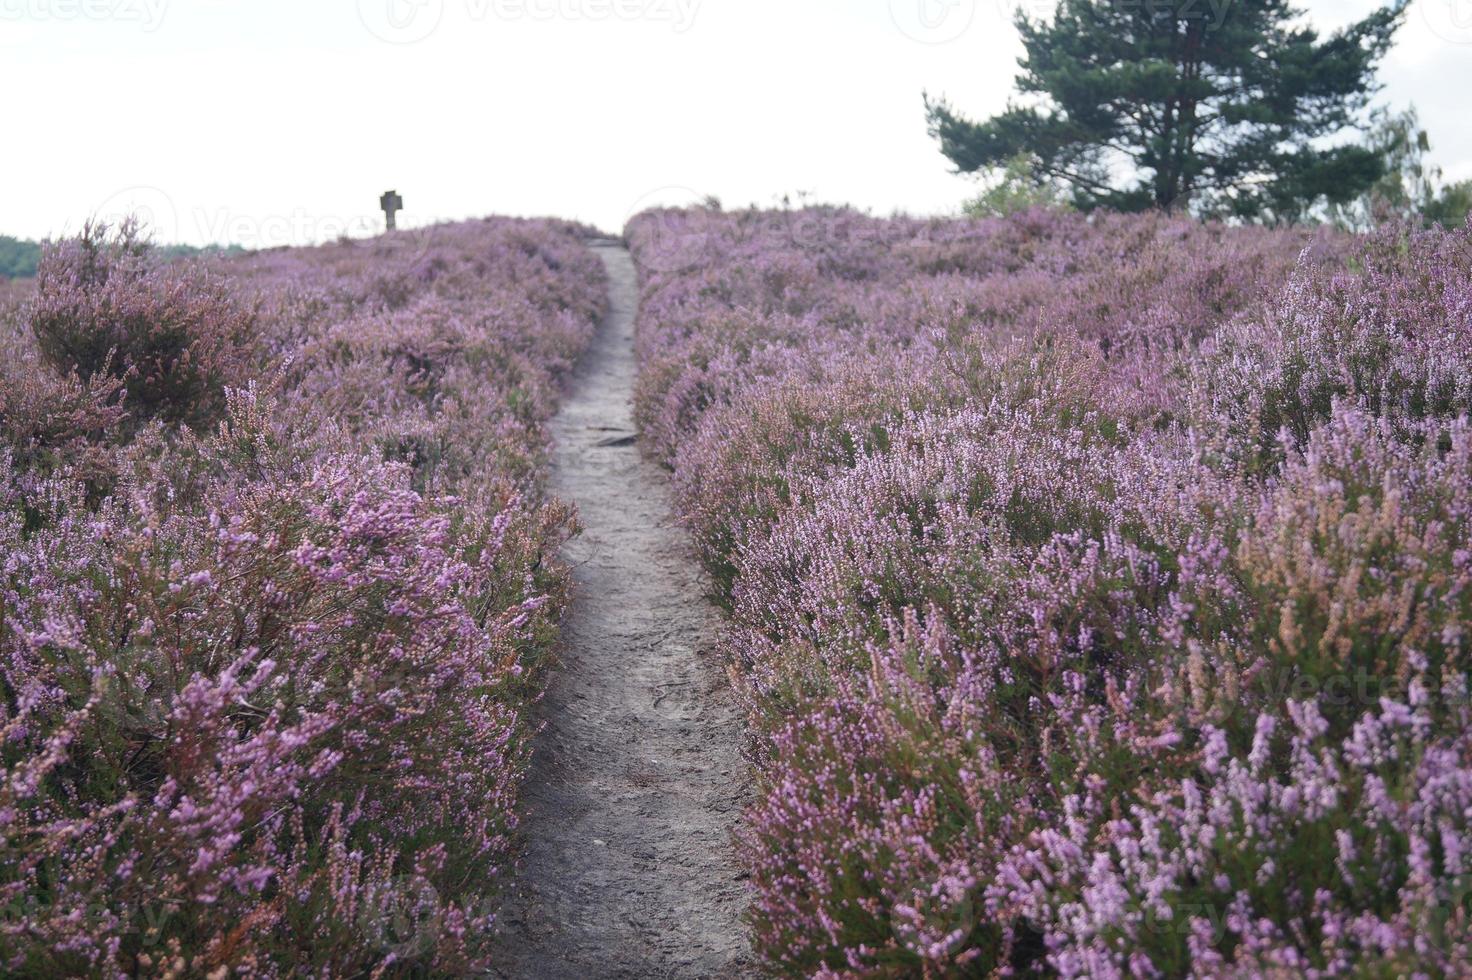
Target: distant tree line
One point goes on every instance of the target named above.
(18, 257)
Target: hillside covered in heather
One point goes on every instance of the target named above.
(1098, 589)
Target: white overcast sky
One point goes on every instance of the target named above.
(270, 122)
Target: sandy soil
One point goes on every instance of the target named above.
(637, 780)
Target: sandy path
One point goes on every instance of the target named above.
(636, 782)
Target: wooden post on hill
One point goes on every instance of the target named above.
(392, 204)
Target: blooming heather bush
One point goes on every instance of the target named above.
(1394, 336)
(48, 419)
(1099, 590)
(264, 697)
(814, 286)
(174, 334)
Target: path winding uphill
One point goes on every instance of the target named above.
(636, 783)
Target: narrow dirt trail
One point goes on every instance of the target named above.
(637, 779)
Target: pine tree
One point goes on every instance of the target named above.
(1217, 106)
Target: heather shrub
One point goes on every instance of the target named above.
(265, 690)
(672, 393)
(50, 421)
(174, 334)
(1346, 865)
(772, 294)
(743, 467)
(1332, 776)
(1356, 563)
(864, 844)
(740, 470)
(1391, 336)
(292, 659)
(1097, 589)
(1103, 670)
(911, 523)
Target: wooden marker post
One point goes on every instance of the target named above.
(392, 204)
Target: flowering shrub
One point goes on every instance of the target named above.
(1390, 335)
(174, 334)
(50, 420)
(1099, 590)
(265, 684)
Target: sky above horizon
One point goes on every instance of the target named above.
(274, 122)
